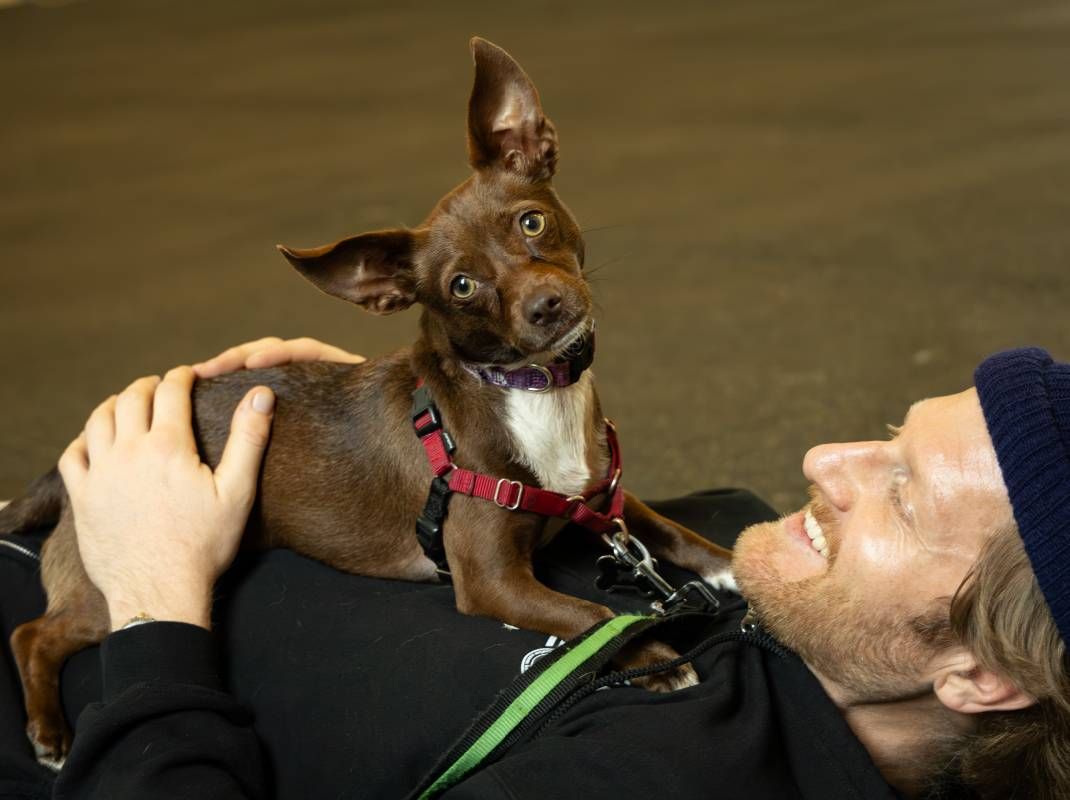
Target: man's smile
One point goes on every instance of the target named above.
(816, 534)
(806, 530)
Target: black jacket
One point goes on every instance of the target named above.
(338, 686)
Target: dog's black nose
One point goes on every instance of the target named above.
(543, 307)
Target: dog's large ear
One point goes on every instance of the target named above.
(373, 270)
(506, 125)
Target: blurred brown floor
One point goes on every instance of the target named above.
(804, 215)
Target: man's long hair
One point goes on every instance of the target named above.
(1000, 615)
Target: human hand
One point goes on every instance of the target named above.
(272, 351)
(156, 526)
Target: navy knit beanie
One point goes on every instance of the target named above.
(1025, 396)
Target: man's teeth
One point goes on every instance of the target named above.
(817, 536)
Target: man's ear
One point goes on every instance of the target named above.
(506, 125)
(373, 270)
(965, 686)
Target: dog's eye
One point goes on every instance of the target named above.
(463, 287)
(533, 223)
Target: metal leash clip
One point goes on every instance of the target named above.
(631, 567)
(693, 595)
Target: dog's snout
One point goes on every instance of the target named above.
(543, 307)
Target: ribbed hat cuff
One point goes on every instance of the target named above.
(1025, 397)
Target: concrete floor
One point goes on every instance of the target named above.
(802, 215)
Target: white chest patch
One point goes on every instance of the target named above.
(549, 432)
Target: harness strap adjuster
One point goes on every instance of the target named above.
(429, 532)
(428, 422)
(429, 523)
(448, 443)
(425, 416)
(498, 490)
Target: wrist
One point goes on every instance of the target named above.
(192, 606)
(122, 615)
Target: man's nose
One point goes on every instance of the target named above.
(838, 470)
(543, 306)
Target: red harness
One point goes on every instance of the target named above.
(504, 493)
(628, 566)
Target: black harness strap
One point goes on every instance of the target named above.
(433, 517)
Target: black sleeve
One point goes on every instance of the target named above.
(165, 727)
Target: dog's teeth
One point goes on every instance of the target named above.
(820, 543)
(825, 552)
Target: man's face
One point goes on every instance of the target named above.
(902, 522)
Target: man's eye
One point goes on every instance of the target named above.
(533, 223)
(895, 495)
(463, 287)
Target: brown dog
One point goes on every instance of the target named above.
(498, 268)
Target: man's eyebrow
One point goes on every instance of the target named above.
(911, 518)
(910, 411)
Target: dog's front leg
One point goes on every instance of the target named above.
(672, 542)
(490, 558)
(490, 553)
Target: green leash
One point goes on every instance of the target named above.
(509, 712)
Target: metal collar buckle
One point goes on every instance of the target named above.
(546, 374)
(519, 494)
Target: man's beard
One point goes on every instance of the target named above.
(872, 653)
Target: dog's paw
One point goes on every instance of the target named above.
(722, 579)
(669, 680)
(50, 747)
(649, 654)
(50, 763)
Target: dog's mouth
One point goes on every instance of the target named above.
(565, 346)
(571, 343)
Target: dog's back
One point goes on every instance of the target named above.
(336, 426)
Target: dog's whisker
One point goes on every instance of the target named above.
(601, 228)
(601, 266)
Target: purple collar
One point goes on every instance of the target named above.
(538, 377)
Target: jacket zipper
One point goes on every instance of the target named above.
(752, 635)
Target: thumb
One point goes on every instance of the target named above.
(249, 432)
